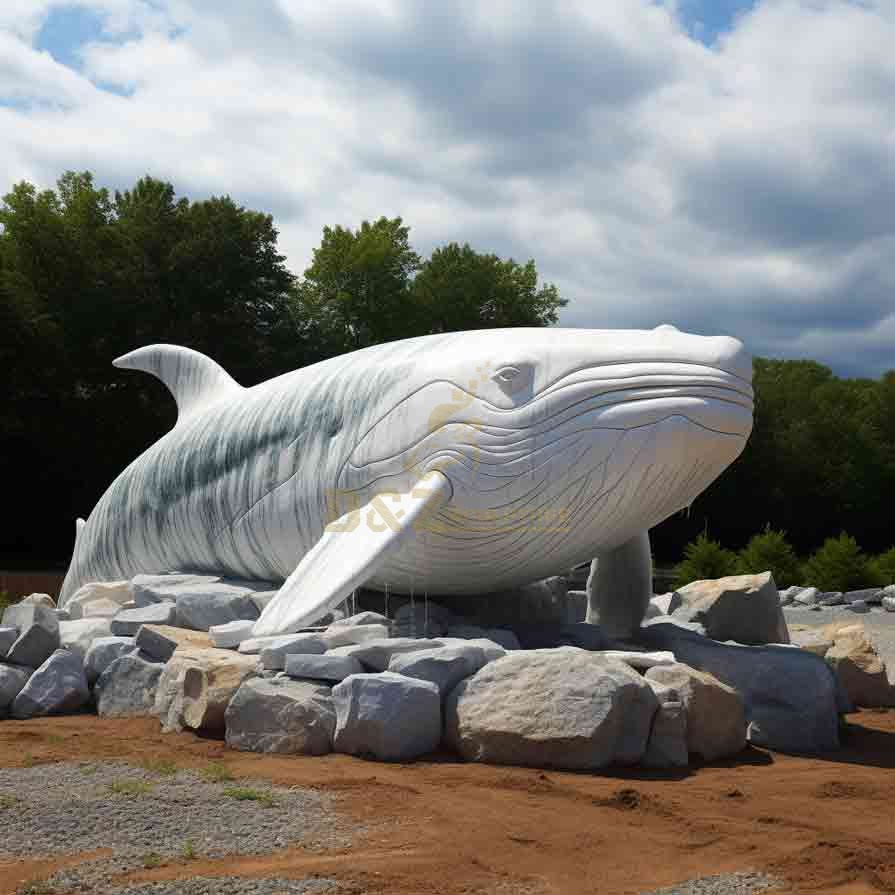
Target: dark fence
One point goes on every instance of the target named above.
(19, 584)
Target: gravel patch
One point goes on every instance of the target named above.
(148, 817)
(232, 885)
(744, 883)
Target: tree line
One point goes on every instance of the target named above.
(87, 274)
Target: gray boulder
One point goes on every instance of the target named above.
(889, 603)
(273, 656)
(8, 636)
(322, 668)
(806, 596)
(201, 607)
(129, 621)
(790, 695)
(421, 619)
(77, 636)
(38, 633)
(57, 687)
(667, 744)
(744, 608)
(563, 708)
(388, 716)
(868, 595)
(830, 598)
(335, 636)
(280, 715)
(443, 666)
(149, 589)
(12, 679)
(361, 618)
(103, 652)
(716, 717)
(859, 606)
(376, 654)
(127, 687)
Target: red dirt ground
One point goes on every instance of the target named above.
(825, 825)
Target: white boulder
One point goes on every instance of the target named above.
(563, 708)
(78, 635)
(715, 714)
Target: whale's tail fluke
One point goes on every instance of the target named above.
(194, 380)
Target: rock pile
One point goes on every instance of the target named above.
(181, 647)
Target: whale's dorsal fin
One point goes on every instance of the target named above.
(194, 379)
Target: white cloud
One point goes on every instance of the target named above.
(748, 187)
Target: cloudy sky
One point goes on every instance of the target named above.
(723, 165)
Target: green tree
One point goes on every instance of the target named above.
(356, 291)
(770, 551)
(85, 277)
(704, 558)
(459, 289)
(838, 565)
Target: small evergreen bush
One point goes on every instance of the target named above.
(883, 567)
(704, 558)
(770, 551)
(839, 565)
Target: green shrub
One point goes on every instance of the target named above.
(883, 567)
(839, 565)
(704, 558)
(5, 600)
(770, 551)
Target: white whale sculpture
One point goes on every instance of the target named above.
(461, 463)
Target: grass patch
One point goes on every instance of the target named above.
(246, 794)
(152, 859)
(188, 852)
(7, 801)
(38, 887)
(134, 788)
(86, 769)
(161, 766)
(55, 739)
(217, 772)
(29, 761)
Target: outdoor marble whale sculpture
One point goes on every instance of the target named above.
(461, 463)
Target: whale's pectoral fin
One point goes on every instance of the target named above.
(620, 587)
(348, 554)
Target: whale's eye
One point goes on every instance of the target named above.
(507, 374)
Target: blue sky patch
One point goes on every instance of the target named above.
(706, 19)
(66, 30)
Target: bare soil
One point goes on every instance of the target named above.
(825, 825)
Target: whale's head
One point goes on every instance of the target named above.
(556, 442)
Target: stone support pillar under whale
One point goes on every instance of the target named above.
(459, 463)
